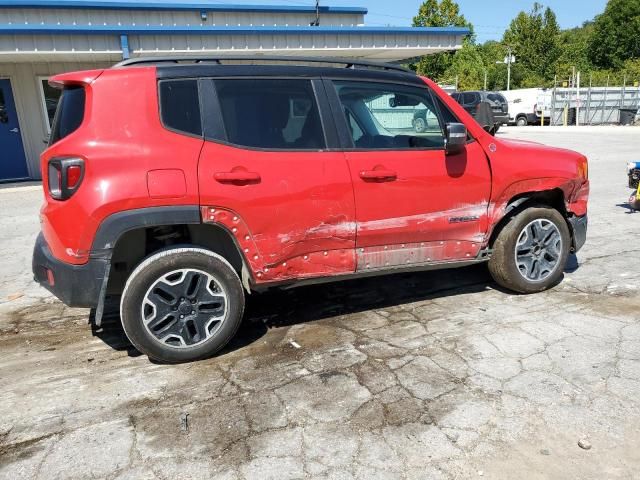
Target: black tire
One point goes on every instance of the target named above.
(496, 127)
(522, 122)
(420, 125)
(503, 263)
(212, 272)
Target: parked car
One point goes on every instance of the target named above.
(470, 101)
(423, 119)
(205, 180)
(523, 104)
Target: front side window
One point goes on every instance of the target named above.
(388, 116)
(270, 114)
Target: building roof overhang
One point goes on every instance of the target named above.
(42, 42)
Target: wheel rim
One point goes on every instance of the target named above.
(419, 125)
(538, 250)
(184, 308)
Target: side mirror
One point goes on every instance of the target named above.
(455, 139)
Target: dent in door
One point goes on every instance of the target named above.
(320, 263)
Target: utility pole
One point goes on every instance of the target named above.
(509, 60)
(485, 79)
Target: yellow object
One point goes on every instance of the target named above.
(638, 193)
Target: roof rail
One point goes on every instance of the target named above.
(347, 62)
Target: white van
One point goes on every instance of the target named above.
(522, 105)
(527, 104)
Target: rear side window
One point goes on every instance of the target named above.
(471, 98)
(69, 114)
(179, 106)
(270, 114)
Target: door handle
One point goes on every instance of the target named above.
(380, 175)
(238, 176)
(14, 130)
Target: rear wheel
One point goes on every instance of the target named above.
(182, 304)
(522, 122)
(530, 252)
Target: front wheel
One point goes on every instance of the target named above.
(530, 252)
(522, 122)
(182, 304)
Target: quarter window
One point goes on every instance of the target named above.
(390, 116)
(69, 113)
(50, 99)
(270, 114)
(179, 106)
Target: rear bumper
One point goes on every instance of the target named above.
(74, 285)
(578, 231)
(502, 119)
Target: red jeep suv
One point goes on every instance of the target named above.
(182, 184)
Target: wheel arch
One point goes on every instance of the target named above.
(554, 198)
(126, 238)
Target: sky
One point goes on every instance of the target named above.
(489, 17)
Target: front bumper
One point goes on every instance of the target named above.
(74, 285)
(578, 232)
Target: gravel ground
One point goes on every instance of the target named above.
(425, 376)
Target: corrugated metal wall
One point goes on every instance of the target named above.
(52, 16)
(27, 94)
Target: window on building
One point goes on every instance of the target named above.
(390, 116)
(4, 116)
(273, 114)
(179, 106)
(50, 97)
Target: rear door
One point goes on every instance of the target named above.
(13, 164)
(267, 173)
(414, 204)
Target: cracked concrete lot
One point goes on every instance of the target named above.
(424, 376)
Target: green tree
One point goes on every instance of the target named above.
(443, 13)
(616, 36)
(534, 38)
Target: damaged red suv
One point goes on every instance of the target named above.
(183, 184)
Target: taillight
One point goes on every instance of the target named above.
(65, 176)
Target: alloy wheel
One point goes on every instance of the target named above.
(184, 308)
(538, 250)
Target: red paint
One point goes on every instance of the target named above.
(295, 204)
(169, 183)
(295, 214)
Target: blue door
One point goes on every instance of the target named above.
(13, 165)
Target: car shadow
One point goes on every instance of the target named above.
(282, 307)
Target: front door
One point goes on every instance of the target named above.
(271, 179)
(414, 204)
(13, 164)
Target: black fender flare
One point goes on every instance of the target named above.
(114, 226)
